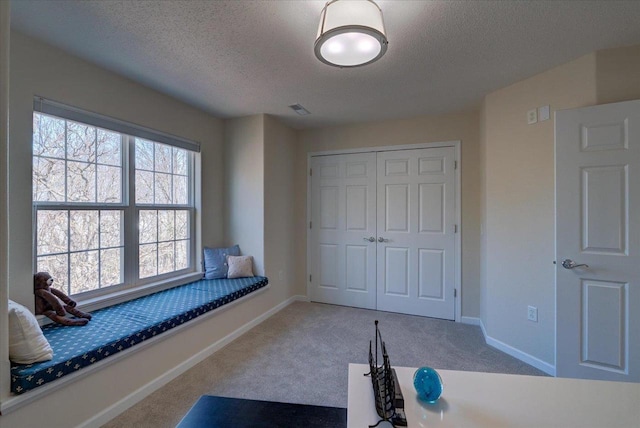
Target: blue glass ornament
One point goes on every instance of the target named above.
(428, 384)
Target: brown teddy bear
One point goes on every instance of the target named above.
(52, 302)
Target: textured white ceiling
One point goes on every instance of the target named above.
(237, 58)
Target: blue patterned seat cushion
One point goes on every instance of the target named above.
(124, 325)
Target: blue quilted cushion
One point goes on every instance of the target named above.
(119, 327)
(215, 261)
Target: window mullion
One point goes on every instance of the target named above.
(66, 161)
(99, 248)
(95, 175)
(131, 216)
(154, 174)
(68, 252)
(157, 241)
(175, 239)
(191, 181)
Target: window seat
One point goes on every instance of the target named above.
(124, 325)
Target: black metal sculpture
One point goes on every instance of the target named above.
(386, 390)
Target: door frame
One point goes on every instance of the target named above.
(456, 144)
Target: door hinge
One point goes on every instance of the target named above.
(455, 164)
(455, 292)
(455, 228)
(310, 172)
(309, 278)
(310, 225)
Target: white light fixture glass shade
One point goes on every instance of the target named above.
(351, 33)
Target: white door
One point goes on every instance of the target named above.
(598, 224)
(416, 232)
(343, 230)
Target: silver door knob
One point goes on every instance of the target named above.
(570, 264)
(370, 239)
(381, 239)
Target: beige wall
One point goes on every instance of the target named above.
(518, 191)
(39, 69)
(519, 205)
(259, 164)
(5, 13)
(244, 186)
(505, 161)
(482, 159)
(425, 129)
(279, 173)
(618, 74)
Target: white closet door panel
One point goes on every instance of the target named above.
(397, 207)
(431, 274)
(343, 202)
(329, 216)
(416, 218)
(357, 264)
(431, 210)
(396, 260)
(328, 277)
(357, 215)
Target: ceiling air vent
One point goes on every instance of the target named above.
(299, 109)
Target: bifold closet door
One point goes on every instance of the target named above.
(416, 232)
(343, 230)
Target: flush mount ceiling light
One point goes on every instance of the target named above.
(351, 33)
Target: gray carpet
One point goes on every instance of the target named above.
(301, 355)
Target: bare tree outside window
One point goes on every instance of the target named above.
(77, 164)
(162, 179)
(80, 180)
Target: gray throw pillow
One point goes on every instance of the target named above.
(215, 261)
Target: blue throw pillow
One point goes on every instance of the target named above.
(215, 261)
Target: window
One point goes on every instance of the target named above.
(111, 209)
(162, 179)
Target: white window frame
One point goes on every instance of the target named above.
(130, 274)
(190, 207)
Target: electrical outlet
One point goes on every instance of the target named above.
(532, 313)
(532, 116)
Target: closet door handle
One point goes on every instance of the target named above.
(370, 239)
(570, 264)
(381, 239)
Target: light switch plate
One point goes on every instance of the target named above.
(543, 113)
(532, 116)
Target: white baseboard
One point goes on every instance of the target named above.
(516, 353)
(114, 410)
(470, 320)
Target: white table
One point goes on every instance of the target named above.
(472, 399)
